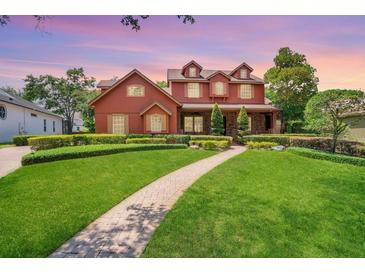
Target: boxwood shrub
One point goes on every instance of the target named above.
(210, 144)
(211, 138)
(22, 140)
(65, 153)
(146, 141)
(338, 158)
(261, 145)
(279, 139)
(54, 141)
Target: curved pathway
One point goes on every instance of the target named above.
(125, 230)
(10, 158)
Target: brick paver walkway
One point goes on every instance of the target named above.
(10, 158)
(125, 230)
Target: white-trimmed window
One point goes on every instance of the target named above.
(245, 91)
(192, 72)
(193, 90)
(118, 124)
(219, 88)
(193, 124)
(156, 123)
(243, 73)
(135, 91)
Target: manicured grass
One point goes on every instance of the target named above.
(43, 205)
(268, 204)
(3, 145)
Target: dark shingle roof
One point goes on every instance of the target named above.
(16, 100)
(106, 83)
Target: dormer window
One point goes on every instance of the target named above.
(243, 73)
(192, 72)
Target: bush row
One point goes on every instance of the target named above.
(89, 151)
(146, 141)
(22, 140)
(211, 138)
(210, 144)
(315, 154)
(318, 143)
(261, 145)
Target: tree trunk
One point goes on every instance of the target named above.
(334, 143)
(68, 126)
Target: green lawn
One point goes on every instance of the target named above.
(43, 205)
(3, 145)
(268, 204)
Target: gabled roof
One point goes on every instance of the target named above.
(240, 66)
(135, 71)
(156, 104)
(192, 62)
(218, 72)
(19, 101)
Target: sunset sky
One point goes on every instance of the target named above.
(334, 45)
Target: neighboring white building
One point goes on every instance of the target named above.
(78, 125)
(19, 116)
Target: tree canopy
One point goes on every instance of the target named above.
(242, 122)
(291, 83)
(217, 125)
(326, 111)
(62, 95)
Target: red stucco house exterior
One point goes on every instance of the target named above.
(135, 104)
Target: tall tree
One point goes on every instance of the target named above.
(242, 122)
(87, 112)
(325, 112)
(292, 82)
(64, 95)
(217, 125)
(12, 91)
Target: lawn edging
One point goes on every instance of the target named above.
(66, 153)
(320, 155)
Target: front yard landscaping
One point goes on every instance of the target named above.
(44, 205)
(268, 204)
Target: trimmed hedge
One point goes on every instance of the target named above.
(320, 155)
(279, 139)
(65, 153)
(139, 135)
(174, 138)
(261, 145)
(146, 141)
(22, 140)
(211, 138)
(210, 144)
(319, 143)
(54, 141)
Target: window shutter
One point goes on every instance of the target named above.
(239, 91)
(109, 124)
(164, 122)
(186, 89)
(126, 125)
(148, 122)
(200, 90)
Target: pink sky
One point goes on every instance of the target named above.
(334, 45)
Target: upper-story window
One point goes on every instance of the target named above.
(219, 88)
(192, 72)
(245, 91)
(193, 90)
(135, 91)
(243, 73)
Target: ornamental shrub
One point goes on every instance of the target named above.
(146, 141)
(261, 145)
(279, 139)
(210, 144)
(217, 125)
(211, 137)
(22, 140)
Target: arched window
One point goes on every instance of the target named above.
(2, 112)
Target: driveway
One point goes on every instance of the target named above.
(10, 158)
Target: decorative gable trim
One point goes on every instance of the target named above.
(190, 63)
(135, 71)
(155, 104)
(219, 72)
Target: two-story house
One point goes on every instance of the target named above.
(135, 104)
